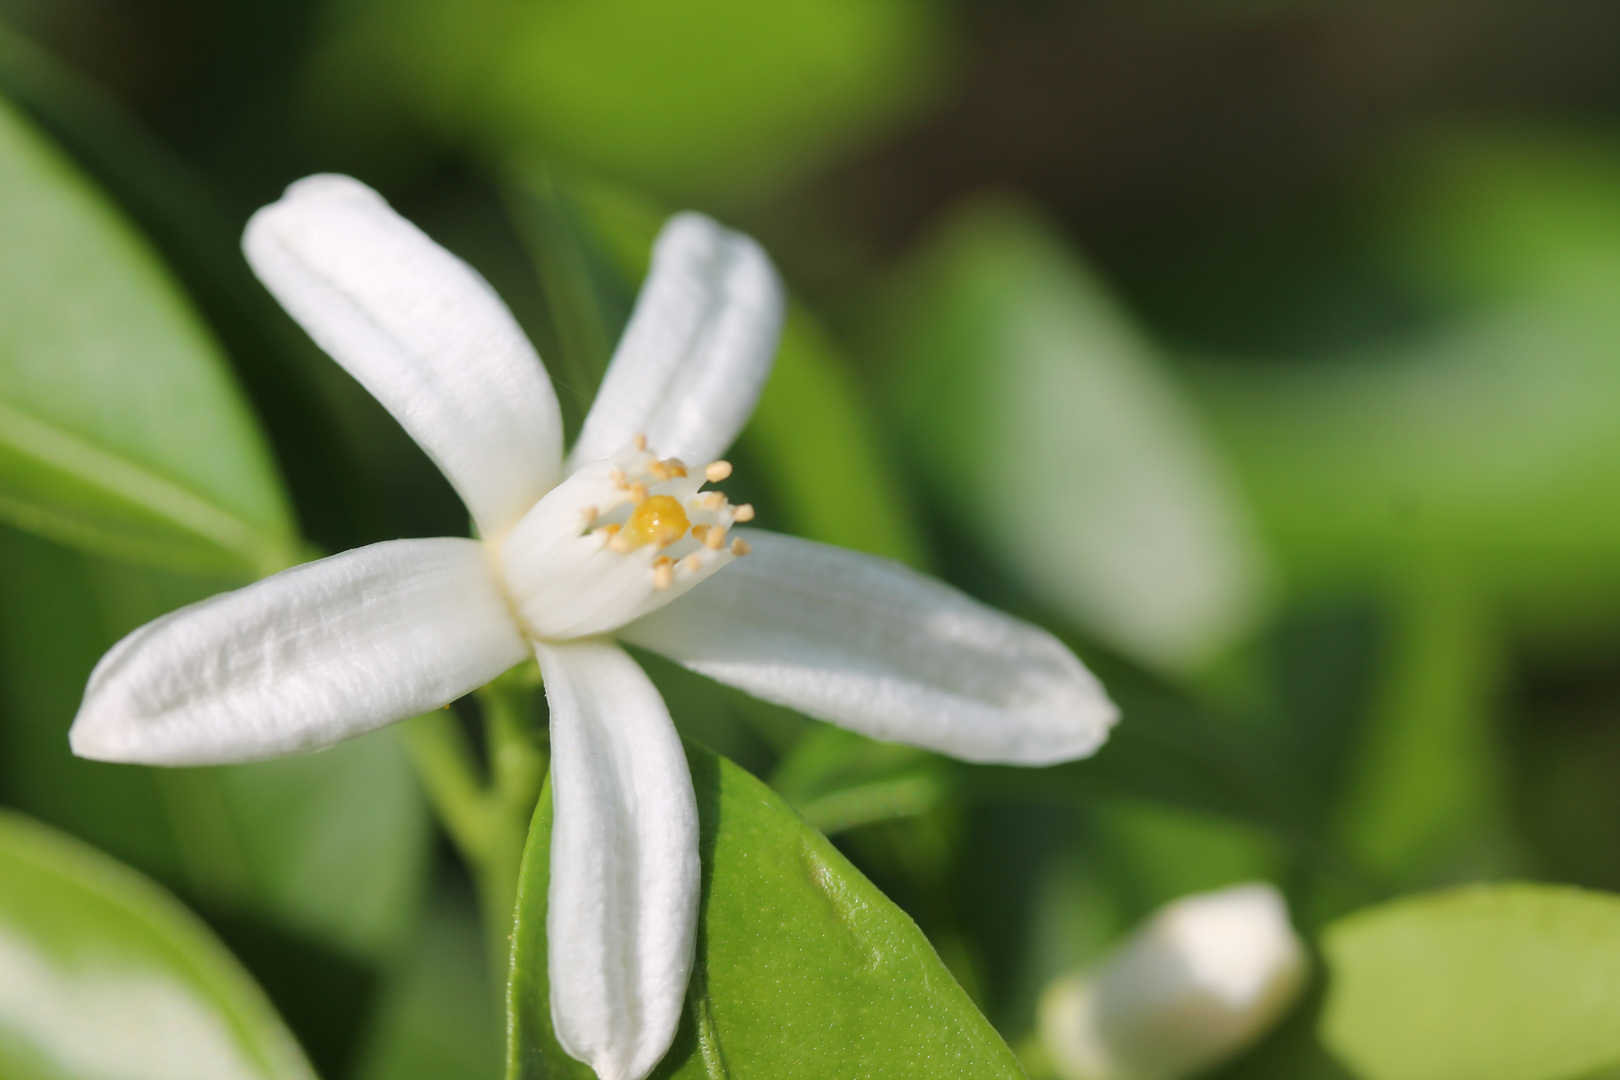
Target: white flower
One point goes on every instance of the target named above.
(1205, 977)
(609, 543)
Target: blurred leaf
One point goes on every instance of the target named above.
(1045, 424)
(1168, 852)
(1425, 786)
(1477, 450)
(438, 1017)
(120, 428)
(1511, 982)
(839, 780)
(332, 845)
(101, 975)
(812, 436)
(803, 968)
(678, 95)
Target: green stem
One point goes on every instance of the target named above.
(488, 822)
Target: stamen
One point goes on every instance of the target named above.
(619, 543)
(743, 512)
(590, 514)
(676, 466)
(712, 500)
(698, 531)
(663, 576)
(618, 477)
(638, 494)
(714, 539)
(639, 440)
(660, 471)
(692, 564)
(717, 471)
(740, 546)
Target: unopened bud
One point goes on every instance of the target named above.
(1204, 977)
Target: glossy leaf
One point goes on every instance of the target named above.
(120, 428)
(334, 846)
(1049, 428)
(1510, 982)
(804, 969)
(678, 96)
(103, 975)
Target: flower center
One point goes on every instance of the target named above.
(616, 540)
(658, 520)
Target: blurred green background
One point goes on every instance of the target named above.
(1267, 352)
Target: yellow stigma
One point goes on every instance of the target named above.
(658, 519)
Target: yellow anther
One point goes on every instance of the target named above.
(608, 529)
(620, 543)
(663, 576)
(692, 564)
(590, 514)
(743, 512)
(712, 500)
(639, 441)
(659, 520)
(699, 531)
(676, 466)
(638, 495)
(618, 477)
(660, 471)
(714, 539)
(717, 471)
(740, 547)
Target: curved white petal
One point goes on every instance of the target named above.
(423, 332)
(622, 909)
(695, 355)
(876, 647)
(302, 659)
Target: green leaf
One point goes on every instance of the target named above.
(804, 969)
(700, 94)
(334, 846)
(1510, 982)
(437, 1018)
(102, 974)
(121, 430)
(1425, 785)
(1047, 425)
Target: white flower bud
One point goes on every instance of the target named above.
(1200, 980)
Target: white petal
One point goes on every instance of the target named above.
(565, 575)
(302, 659)
(695, 355)
(623, 903)
(873, 646)
(423, 332)
(1206, 976)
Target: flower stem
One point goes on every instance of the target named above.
(488, 821)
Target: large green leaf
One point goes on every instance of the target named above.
(120, 427)
(102, 975)
(804, 969)
(334, 846)
(1048, 426)
(1511, 982)
(676, 94)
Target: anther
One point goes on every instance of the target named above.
(743, 512)
(590, 514)
(714, 539)
(618, 477)
(620, 544)
(676, 466)
(712, 500)
(740, 547)
(692, 564)
(663, 575)
(699, 531)
(717, 471)
(639, 440)
(638, 493)
(660, 471)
